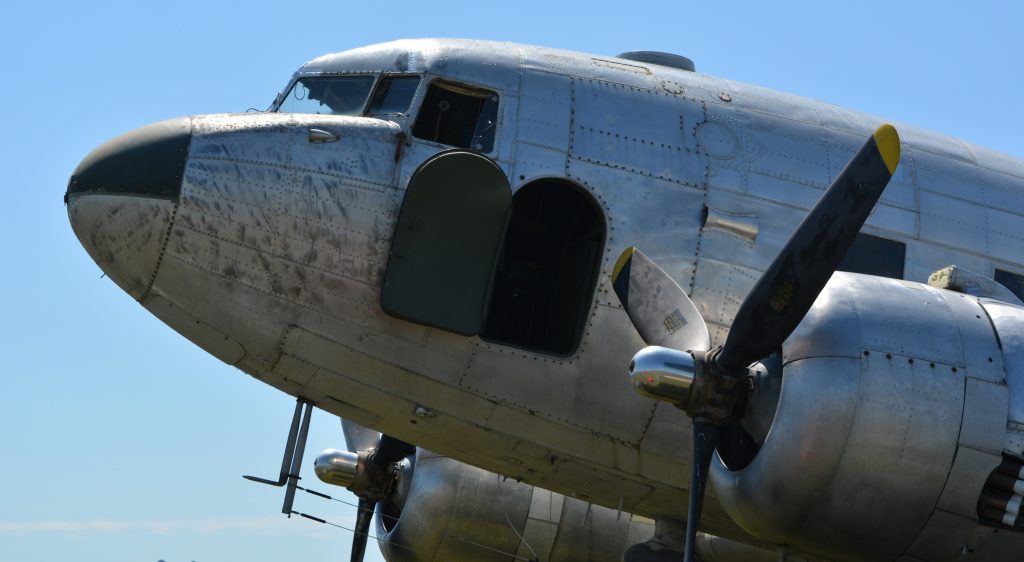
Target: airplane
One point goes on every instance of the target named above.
(552, 295)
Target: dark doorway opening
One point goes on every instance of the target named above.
(548, 269)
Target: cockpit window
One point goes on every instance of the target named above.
(457, 115)
(331, 95)
(393, 95)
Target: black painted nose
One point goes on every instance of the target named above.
(121, 201)
(148, 161)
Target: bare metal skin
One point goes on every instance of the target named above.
(899, 400)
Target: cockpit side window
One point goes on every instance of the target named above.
(457, 115)
(331, 95)
(393, 96)
(1012, 281)
(873, 255)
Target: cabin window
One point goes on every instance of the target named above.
(393, 96)
(548, 269)
(330, 95)
(875, 256)
(457, 115)
(1012, 281)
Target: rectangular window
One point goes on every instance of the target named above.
(457, 115)
(331, 95)
(875, 256)
(393, 96)
(1012, 281)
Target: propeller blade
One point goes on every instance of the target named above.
(658, 307)
(387, 450)
(357, 437)
(786, 291)
(391, 450)
(363, 518)
(705, 437)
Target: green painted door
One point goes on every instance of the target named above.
(447, 242)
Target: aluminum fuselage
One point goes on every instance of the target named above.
(272, 258)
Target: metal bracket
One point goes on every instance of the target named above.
(321, 136)
(293, 449)
(742, 225)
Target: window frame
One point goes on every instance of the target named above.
(869, 238)
(276, 108)
(1018, 277)
(414, 102)
(421, 94)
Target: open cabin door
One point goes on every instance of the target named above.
(447, 243)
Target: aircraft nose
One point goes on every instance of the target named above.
(121, 200)
(148, 161)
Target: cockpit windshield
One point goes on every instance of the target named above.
(331, 95)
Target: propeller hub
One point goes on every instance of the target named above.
(690, 380)
(717, 393)
(354, 471)
(336, 467)
(339, 468)
(663, 374)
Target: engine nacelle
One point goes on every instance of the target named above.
(897, 403)
(452, 511)
(442, 509)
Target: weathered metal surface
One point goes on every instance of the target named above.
(986, 406)
(545, 107)
(279, 244)
(217, 343)
(944, 538)
(124, 234)
(1009, 322)
(966, 479)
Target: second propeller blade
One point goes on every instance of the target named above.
(786, 291)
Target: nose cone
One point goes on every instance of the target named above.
(148, 161)
(121, 200)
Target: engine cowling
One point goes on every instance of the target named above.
(453, 511)
(435, 508)
(893, 414)
(442, 509)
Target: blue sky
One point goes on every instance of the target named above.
(120, 440)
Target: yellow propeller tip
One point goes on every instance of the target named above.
(888, 142)
(621, 262)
